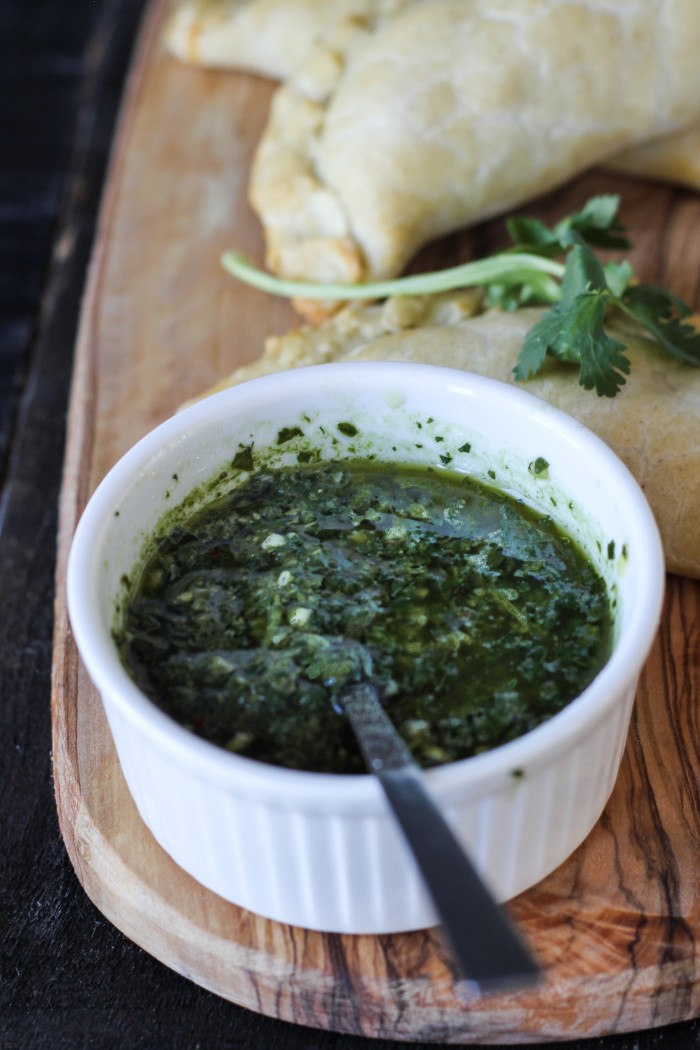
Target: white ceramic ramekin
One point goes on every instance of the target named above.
(321, 850)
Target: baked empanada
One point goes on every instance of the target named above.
(269, 37)
(273, 37)
(384, 140)
(653, 424)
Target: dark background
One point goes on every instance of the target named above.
(68, 979)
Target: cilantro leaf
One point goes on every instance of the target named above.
(539, 341)
(534, 290)
(583, 273)
(574, 333)
(618, 276)
(662, 315)
(603, 361)
(596, 225)
(529, 234)
(573, 330)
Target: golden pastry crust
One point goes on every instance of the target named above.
(268, 37)
(386, 139)
(273, 37)
(674, 158)
(653, 424)
(260, 36)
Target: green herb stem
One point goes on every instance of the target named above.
(511, 267)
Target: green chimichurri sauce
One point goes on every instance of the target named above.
(477, 618)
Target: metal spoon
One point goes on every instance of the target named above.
(486, 947)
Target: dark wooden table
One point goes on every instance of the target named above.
(67, 977)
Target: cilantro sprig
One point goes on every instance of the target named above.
(580, 291)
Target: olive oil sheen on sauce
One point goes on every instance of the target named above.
(477, 617)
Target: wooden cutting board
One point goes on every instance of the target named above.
(616, 925)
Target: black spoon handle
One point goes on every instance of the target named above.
(488, 950)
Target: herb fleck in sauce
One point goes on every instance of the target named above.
(477, 618)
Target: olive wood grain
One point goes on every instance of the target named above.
(616, 925)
